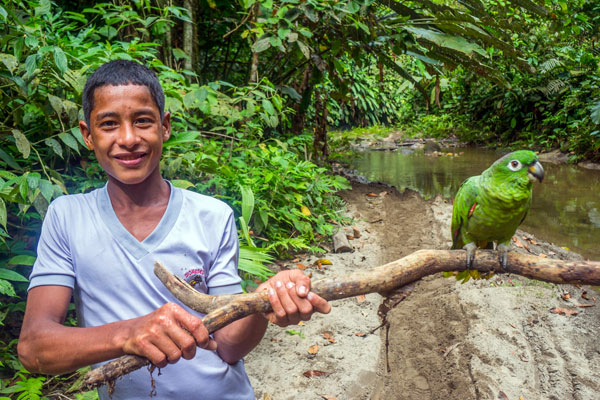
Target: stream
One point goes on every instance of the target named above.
(565, 209)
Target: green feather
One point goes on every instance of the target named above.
(491, 206)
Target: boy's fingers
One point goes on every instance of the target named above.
(277, 309)
(319, 304)
(287, 303)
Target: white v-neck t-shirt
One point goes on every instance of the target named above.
(84, 246)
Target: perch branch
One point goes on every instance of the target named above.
(223, 310)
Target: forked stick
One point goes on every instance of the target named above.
(223, 310)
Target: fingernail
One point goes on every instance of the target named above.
(310, 296)
(290, 285)
(302, 290)
(278, 284)
(271, 291)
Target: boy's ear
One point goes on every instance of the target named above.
(86, 134)
(166, 125)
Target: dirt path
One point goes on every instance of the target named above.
(491, 339)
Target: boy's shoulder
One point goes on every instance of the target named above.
(204, 202)
(74, 200)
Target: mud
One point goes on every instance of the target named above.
(489, 339)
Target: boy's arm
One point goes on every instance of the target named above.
(47, 346)
(292, 302)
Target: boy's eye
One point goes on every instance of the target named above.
(108, 124)
(143, 121)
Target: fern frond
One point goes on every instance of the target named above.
(549, 65)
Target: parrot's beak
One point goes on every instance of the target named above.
(535, 172)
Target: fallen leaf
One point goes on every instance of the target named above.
(368, 230)
(309, 275)
(329, 337)
(566, 296)
(295, 332)
(584, 305)
(502, 396)
(517, 242)
(295, 260)
(361, 298)
(543, 255)
(301, 266)
(584, 295)
(313, 349)
(448, 349)
(359, 334)
(355, 232)
(563, 311)
(267, 396)
(324, 261)
(328, 397)
(350, 237)
(371, 194)
(301, 323)
(313, 372)
(514, 326)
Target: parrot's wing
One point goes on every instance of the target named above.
(464, 204)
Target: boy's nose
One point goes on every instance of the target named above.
(127, 136)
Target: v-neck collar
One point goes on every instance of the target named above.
(127, 240)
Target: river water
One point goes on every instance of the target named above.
(565, 209)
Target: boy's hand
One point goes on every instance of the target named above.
(166, 335)
(291, 298)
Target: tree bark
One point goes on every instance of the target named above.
(222, 310)
(188, 35)
(254, 62)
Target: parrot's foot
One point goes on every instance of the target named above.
(470, 248)
(503, 255)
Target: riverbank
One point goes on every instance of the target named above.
(484, 339)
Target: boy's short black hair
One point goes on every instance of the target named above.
(122, 72)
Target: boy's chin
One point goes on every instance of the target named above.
(129, 180)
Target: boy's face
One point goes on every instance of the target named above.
(126, 132)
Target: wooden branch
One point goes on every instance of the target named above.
(223, 310)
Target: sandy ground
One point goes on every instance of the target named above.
(493, 339)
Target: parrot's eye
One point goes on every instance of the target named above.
(514, 165)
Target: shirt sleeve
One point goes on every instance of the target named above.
(223, 277)
(53, 265)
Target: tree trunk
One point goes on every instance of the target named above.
(188, 35)
(254, 64)
(223, 310)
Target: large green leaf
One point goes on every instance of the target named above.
(11, 275)
(23, 144)
(247, 202)
(8, 159)
(252, 259)
(60, 59)
(441, 39)
(6, 288)
(22, 259)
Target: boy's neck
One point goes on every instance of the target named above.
(155, 191)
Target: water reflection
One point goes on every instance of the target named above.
(565, 208)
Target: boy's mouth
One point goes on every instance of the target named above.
(130, 159)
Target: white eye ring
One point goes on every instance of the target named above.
(514, 165)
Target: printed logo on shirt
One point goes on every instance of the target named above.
(195, 277)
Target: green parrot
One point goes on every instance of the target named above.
(490, 207)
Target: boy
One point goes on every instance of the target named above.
(101, 247)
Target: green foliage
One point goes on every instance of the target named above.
(26, 387)
(283, 201)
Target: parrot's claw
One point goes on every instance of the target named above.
(470, 248)
(503, 255)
